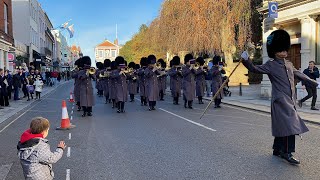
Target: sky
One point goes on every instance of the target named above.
(95, 20)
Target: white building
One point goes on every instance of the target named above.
(30, 18)
(107, 50)
(301, 19)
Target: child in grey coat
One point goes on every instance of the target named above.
(34, 151)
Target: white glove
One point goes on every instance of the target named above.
(245, 55)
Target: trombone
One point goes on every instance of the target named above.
(158, 65)
(196, 66)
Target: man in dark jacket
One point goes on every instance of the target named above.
(4, 101)
(16, 84)
(313, 73)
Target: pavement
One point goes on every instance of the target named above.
(250, 99)
(169, 143)
(17, 106)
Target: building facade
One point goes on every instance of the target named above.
(6, 34)
(301, 19)
(32, 27)
(106, 50)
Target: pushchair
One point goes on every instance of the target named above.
(226, 90)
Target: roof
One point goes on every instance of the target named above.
(107, 43)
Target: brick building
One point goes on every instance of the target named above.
(6, 33)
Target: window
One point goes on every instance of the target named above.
(100, 53)
(107, 53)
(113, 53)
(5, 11)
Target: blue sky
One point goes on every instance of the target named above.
(95, 20)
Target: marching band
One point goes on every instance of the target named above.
(117, 80)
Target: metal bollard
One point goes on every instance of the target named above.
(240, 90)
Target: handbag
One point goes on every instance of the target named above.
(30, 88)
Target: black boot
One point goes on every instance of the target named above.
(289, 157)
(185, 103)
(199, 100)
(119, 107)
(142, 100)
(113, 103)
(190, 104)
(177, 100)
(131, 97)
(122, 107)
(145, 101)
(161, 96)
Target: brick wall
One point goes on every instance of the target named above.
(7, 37)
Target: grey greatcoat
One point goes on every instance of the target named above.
(200, 82)
(188, 83)
(175, 82)
(99, 85)
(142, 82)
(76, 89)
(216, 81)
(284, 116)
(105, 84)
(133, 83)
(152, 88)
(121, 86)
(112, 86)
(86, 89)
(162, 80)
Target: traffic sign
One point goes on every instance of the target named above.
(273, 9)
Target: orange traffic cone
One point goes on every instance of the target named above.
(65, 121)
(71, 98)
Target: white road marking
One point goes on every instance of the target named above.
(68, 174)
(71, 112)
(71, 118)
(69, 152)
(192, 122)
(4, 171)
(72, 107)
(69, 136)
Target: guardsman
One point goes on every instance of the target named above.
(216, 73)
(201, 73)
(105, 79)
(112, 84)
(151, 74)
(142, 81)
(86, 89)
(76, 89)
(120, 78)
(132, 81)
(99, 85)
(188, 83)
(162, 79)
(286, 123)
(175, 74)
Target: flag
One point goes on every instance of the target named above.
(64, 25)
(71, 30)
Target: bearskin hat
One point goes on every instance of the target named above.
(119, 60)
(152, 59)
(216, 60)
(99, 65)
(278, 41)
(86, 60)
(163, 63)
(131, 65)
(143, 61)
(200, 60)
(187, 58)
(175, 61)
(107, 63)
(80, 63)
(137, 66)
(76, 63)
(113, 65)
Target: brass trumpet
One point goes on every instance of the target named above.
(91, 71)
(158, 65)
(104, 74)
(196, 66)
